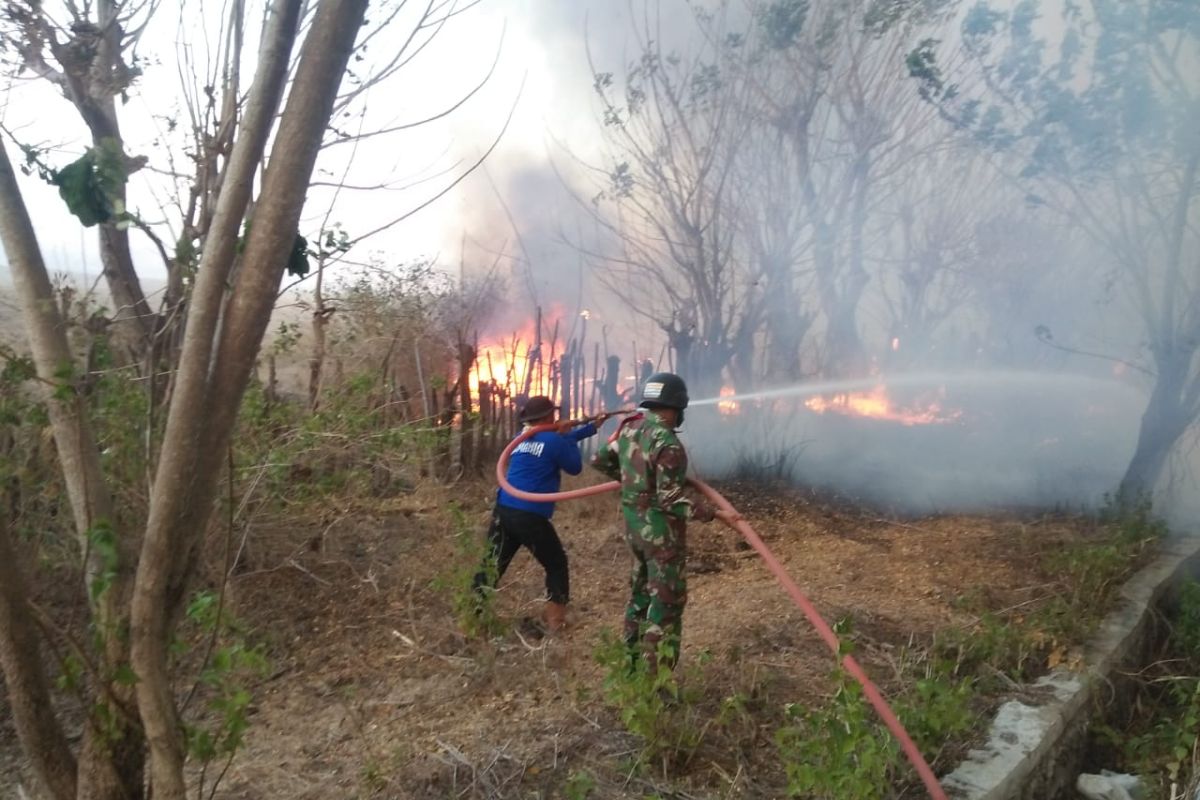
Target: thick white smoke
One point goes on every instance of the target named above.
(1009, 440)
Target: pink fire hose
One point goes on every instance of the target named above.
(729, 515)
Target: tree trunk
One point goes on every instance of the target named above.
(705, 366)
(316, 361)
(845, 356)
(681, 341)
(41, 737)
(466, 360)
(612, 375)
(566, 364)
(1156, 437)
(1163, 422)
(91, 87)
(205, 405)
(112, 760)
(73, 437)
(106, 773)
(1171, 407)
(133, 321)
(786, 324)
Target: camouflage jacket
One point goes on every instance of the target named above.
(649, 460)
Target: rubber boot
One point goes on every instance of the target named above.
(554, 615)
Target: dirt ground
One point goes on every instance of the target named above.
(373, 691)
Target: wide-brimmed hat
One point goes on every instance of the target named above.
(537, 407)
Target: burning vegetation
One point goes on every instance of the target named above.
(878, 404)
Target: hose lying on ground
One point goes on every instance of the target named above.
(729, 515)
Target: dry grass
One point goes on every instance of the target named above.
(376, 693)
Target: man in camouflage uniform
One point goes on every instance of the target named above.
(649, 460)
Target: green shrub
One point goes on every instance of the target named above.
(842, 750)
(230, 664)
(837, 752)
(655, 706)
(1161, 747)
(473, 612)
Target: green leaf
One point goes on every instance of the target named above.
(72, 671)
(77, 186)
(200, 744)
(103, 542)
(125, 675)
(91, 185)
(782, 22)
(202, 609)
(298, 260)
(17, 369)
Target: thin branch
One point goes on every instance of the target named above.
(478, 162)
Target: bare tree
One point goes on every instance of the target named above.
(929, 265)
(826, 76)
(666, 198)
(1112, 144)
(754, 184)
(777, 240)
(87, 58)
(139, 582)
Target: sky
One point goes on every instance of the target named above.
(541, 77)
(520, 211)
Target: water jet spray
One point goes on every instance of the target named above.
(978, 378)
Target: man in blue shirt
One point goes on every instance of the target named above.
(536, 466)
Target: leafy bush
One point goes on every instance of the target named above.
(1161, 740)
(580, 785)
(838, 751)
(1185, 631)
(655, 706)
(842, 751)
(229, 665)
(474, 612)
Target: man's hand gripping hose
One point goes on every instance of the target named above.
(729, 515)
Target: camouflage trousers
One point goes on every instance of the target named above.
(658, 585)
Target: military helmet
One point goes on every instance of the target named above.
(664, 390)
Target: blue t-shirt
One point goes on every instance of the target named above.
(535, 465)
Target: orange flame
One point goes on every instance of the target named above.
(727, 407)
(512, 362)
(876, 404)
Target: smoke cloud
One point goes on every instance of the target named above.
(1008, 441)
(893, 247)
